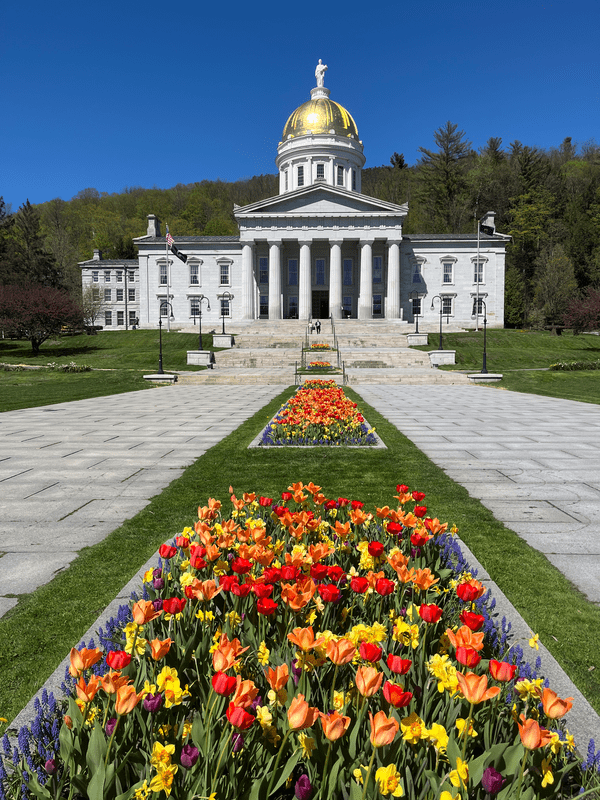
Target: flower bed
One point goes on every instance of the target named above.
(319, 365)
(303, 648)
(319, 414)
(320, 346)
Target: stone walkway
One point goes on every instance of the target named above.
(533, 461)
(73, 472)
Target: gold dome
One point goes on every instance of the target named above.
(320, 115)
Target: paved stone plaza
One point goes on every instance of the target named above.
(73, 472)
(533, 461)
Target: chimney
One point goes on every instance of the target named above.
(488, 221)
(153, 225)
(97, 254)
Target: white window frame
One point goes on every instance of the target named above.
(194, 268)
(132, 316)
(263, 270)
(119, 276)
(95, 276)
(130, 295)
(120, 318)
(121, 298)
(447, 305)
(482, 296)
(224, 265)
(480, 271)
(225, 307)
(163, 306)
(195, 306)
(320, 174)
(300, 174)
(131, 275)
(106, 276)
(108, 318)
(339, 175)
(417, 306)
(163, 273)
(108, 295)
(96, 294)
(448, 263)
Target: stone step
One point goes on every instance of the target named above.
(354, 376)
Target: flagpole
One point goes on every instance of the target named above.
(168, 282)
(477, 273)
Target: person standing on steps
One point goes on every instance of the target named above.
(318, 326)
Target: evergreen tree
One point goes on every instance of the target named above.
(28, 260)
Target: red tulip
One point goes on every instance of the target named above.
(359, 584)
(467, 656)
(430, 613)
(420, 511)
(262, 590)
(174, 605)
(167, 551)
(241, 565)
(370, 652)
(118, 659)
(329, 592)
(375, 549)
(266, 606)
(239, 717)
(384, 586)
(318, 572)
(473, 621)
(502, 671)
(395, 695)
(224, 684)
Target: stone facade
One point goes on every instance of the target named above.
(320, 248)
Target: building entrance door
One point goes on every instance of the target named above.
(320, 305)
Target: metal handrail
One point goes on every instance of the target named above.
(344, 376)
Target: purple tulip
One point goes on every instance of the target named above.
(492, 781)
(238, 742)
(158, 604)
(303, 789)
(189, 755)
(50, 766)
(110, 726)
(152, 702)
(158, 583)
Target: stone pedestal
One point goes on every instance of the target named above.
(416, 339)
(199, 358)
(222, 340)
(438, 357)
(485, 377)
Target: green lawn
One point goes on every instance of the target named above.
(37, 634)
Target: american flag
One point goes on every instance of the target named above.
(169, 239)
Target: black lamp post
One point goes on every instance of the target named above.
(437, 297)
(225, 296)
(415, 296)
(160, 360)
(200, 300)
(484, 368)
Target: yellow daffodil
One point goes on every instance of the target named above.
(307, 743)
(459, 776)
(263, 654)
(460, 726)
(161, 754)
(547, 776)
(438, 737)
(533, 642)
(389, 781)
(163, 780)
(413, 729)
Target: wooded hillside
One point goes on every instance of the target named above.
(548, 200)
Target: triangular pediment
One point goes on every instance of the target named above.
(320, 201)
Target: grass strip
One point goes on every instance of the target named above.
(40, 630)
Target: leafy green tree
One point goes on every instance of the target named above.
(555, 286)
(29, 260)
(442, 172)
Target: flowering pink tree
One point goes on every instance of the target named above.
(36, 312)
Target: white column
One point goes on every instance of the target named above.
(335, 280)
(274, 280)
(365, 299)
(248, 280)
(392, 302)
(305, 296)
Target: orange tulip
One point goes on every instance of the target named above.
(465, 637)
(334, 725)
(368, 681)
(87, 692)
(532, 736)
(304, 638)
(554, 706)
(83, 659)
(113, 681)
(144, 611)
(278, 677)
(341, 652)
(300, 714)
(160, 648)
(383, 729)
(223, 658)
(297, 595)
(474, 687)
(245, 693)
(205, 590)
(424, 579)
(127, 699)
(502, 670)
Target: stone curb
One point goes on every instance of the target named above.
(582, 721)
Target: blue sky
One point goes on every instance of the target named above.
(113, 95)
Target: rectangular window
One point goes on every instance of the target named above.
(347, 269)
(224, 274)
(132, 318)
(346, 306)
(354, 179)
(96, 294)
(225, 307)
(131, 275)
(264, 305)
(478, 272)
(479, 305)
(300, 176)
(416, 276)
(377, 269)
(416, 306)
(292, 272)
(108, 317)
(194, 306)
(320, 272)
(287, 180)
(263, 270)
(320, 172)
(164, 307)
(107, 295)
(95, 276)
(163, 275)
(293, 307)
(340, 176)
(376, 305)
(120, 318)
(131, 295)
(107, 276)
(119, 295)
(194, 275)
(119, 276)
(448, 272)
(447, 306)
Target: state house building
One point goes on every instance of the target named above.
(318, 249)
